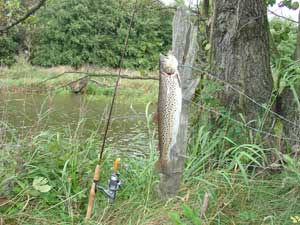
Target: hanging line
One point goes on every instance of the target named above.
(117, 82)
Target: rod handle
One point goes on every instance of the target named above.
(93, 193)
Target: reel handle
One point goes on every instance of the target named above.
(116, 164)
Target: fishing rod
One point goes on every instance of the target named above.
(114, 181)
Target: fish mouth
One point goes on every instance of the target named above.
(168, 64)
(168, 74)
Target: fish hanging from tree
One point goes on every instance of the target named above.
(169, 108)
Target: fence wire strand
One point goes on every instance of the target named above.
(214, 77)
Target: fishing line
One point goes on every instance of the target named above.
(114, 181)
(117, 83)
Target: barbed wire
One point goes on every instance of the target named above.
(250, 127)
(241, 123)
(214, 77)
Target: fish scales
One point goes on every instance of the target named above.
(169, 108)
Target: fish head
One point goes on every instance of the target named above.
(168, 64)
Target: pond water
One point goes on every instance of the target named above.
(26, 113)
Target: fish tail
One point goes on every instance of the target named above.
(160, 165)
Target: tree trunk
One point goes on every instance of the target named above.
(290, 109)
(184, 47)
(240, 52)
(290, 106)
(205, 8)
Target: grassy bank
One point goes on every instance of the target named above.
(242, 193)
(23, 77)
(45, 175)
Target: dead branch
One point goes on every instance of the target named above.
(71, 82)
(100, 84)
(22, 18)
(124, 76)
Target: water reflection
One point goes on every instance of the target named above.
(84, 114)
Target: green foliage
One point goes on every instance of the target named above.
(270, 2)
(290, 4)
(8, 49)
(93, 32)
(284, 37)
(285, 69)
(190, 216)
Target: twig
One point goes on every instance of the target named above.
(283, 17)
(22, 18)
(124, 76)
(51, 78)
(100, 84)
(204, 205)
(72, 82)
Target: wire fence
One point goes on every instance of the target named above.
(212, 110)
(215, 78)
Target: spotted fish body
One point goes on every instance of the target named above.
(169, 108)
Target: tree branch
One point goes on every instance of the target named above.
(22, 18)
(111, 75)
(98, 75)
(283, 17)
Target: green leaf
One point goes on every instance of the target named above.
(40, 184)
(278, 128)
(191, 214)
(295, 5)
(207, 47)
(277, 26)
(187, 211)
(175, 218)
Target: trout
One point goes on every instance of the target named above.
(169, 108)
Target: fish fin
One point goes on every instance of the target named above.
(179, 79)
(155, 117)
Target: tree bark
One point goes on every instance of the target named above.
(290, 109)
(205, 8)
(290, 106)
(240, 52)
(184, 47)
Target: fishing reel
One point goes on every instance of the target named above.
(114, 183)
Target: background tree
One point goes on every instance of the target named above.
(91, 32)
(86, 32)
(240, 51)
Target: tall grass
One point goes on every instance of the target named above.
(225, 159)
(215, 164)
